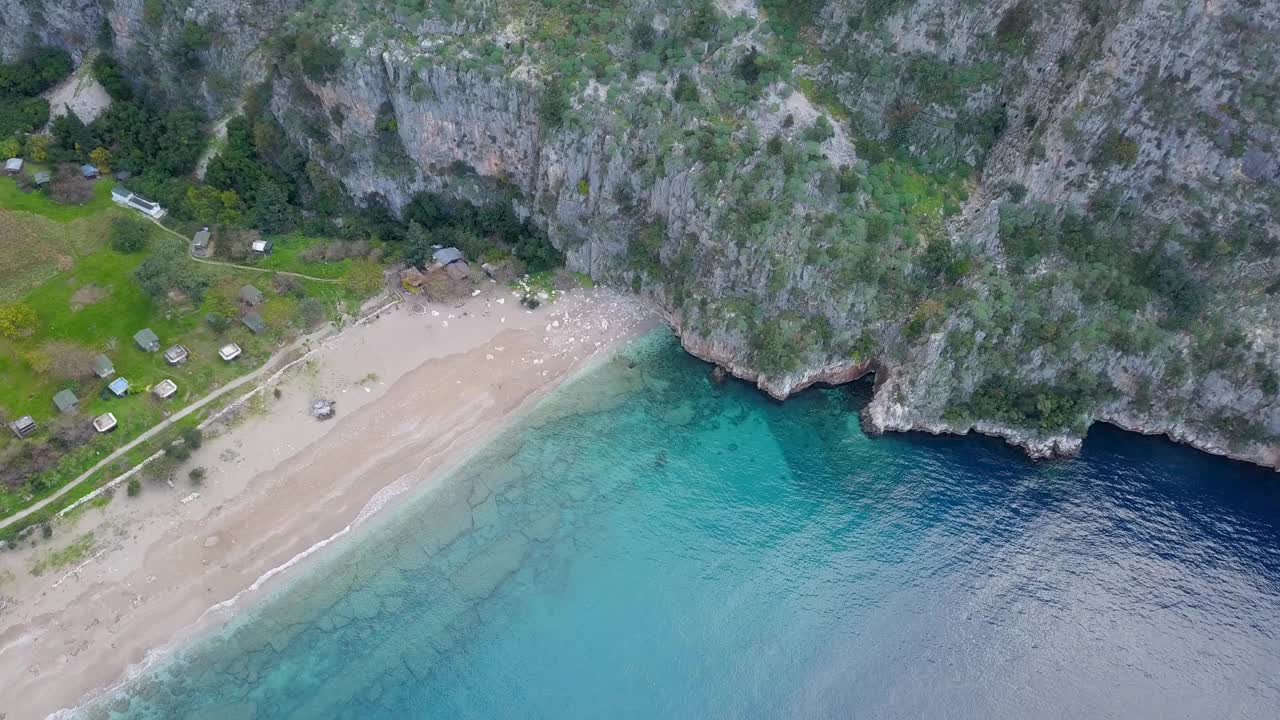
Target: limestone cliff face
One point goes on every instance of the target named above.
(754, 228)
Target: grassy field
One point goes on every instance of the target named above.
(88, 300)
(286, 254)
(38, 203)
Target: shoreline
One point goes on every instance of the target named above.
(175, 562)
(884, 415)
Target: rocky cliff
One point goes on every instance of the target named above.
(1025, 217)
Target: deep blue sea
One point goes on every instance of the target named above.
(645, 544)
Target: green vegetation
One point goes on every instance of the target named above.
(129, 234)
(73, 554)
(1061, 407)
(21, 82)
(39, 203)
(93, 305)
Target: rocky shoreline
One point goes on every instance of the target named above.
(884, 415)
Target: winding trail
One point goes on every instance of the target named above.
(156, 430)
(206, 261)
(270, 366)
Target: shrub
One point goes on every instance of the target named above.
(686, 89)
(555, 105)
(197, 475)
(17, 320)
(67, 360)
(820, 131)
(134, 487)
(310, 313)
(37, 147)
(1014, 24)
(1117, 149)
(364, 277)
(192, 438)
(107, 73)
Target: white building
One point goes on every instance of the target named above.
(125, 198)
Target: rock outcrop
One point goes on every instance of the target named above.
(1025, 217)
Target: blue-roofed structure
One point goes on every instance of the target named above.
(446, 256)
(119, 387)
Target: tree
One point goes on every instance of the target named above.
(129, 234)
(33, 74)
(101, 158)
(686, 89)
(167, 269)
(310, 313)
(108, 74)
(271, 208)
(71, 135)
(364, 277)
(197, 475)
(224, 299)
(23, 115)
(37, 147)
(211, 206)
(17, 320)
(418, 245)
(10, 147)
(193, 438)
(67, 360)
(555, 104)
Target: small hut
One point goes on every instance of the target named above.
(13, 166)
(23, 426)
(102, 367)
(43, 177)
(165, 389)
(104, 423)
(66, 402)
(446, 256)
(200, 243)
(251, 296)
(176, 355)
(147, 340)
(119, 387)
(260, 247)
(90, 172)
(229, 352)
(254, 322)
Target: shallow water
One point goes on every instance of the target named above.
(647, 545)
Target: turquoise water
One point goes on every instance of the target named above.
(647, 545)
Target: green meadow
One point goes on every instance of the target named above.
(87, 302)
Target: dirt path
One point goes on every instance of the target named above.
(268, 367)
(236, 265)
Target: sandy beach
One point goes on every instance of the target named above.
(416, 388)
